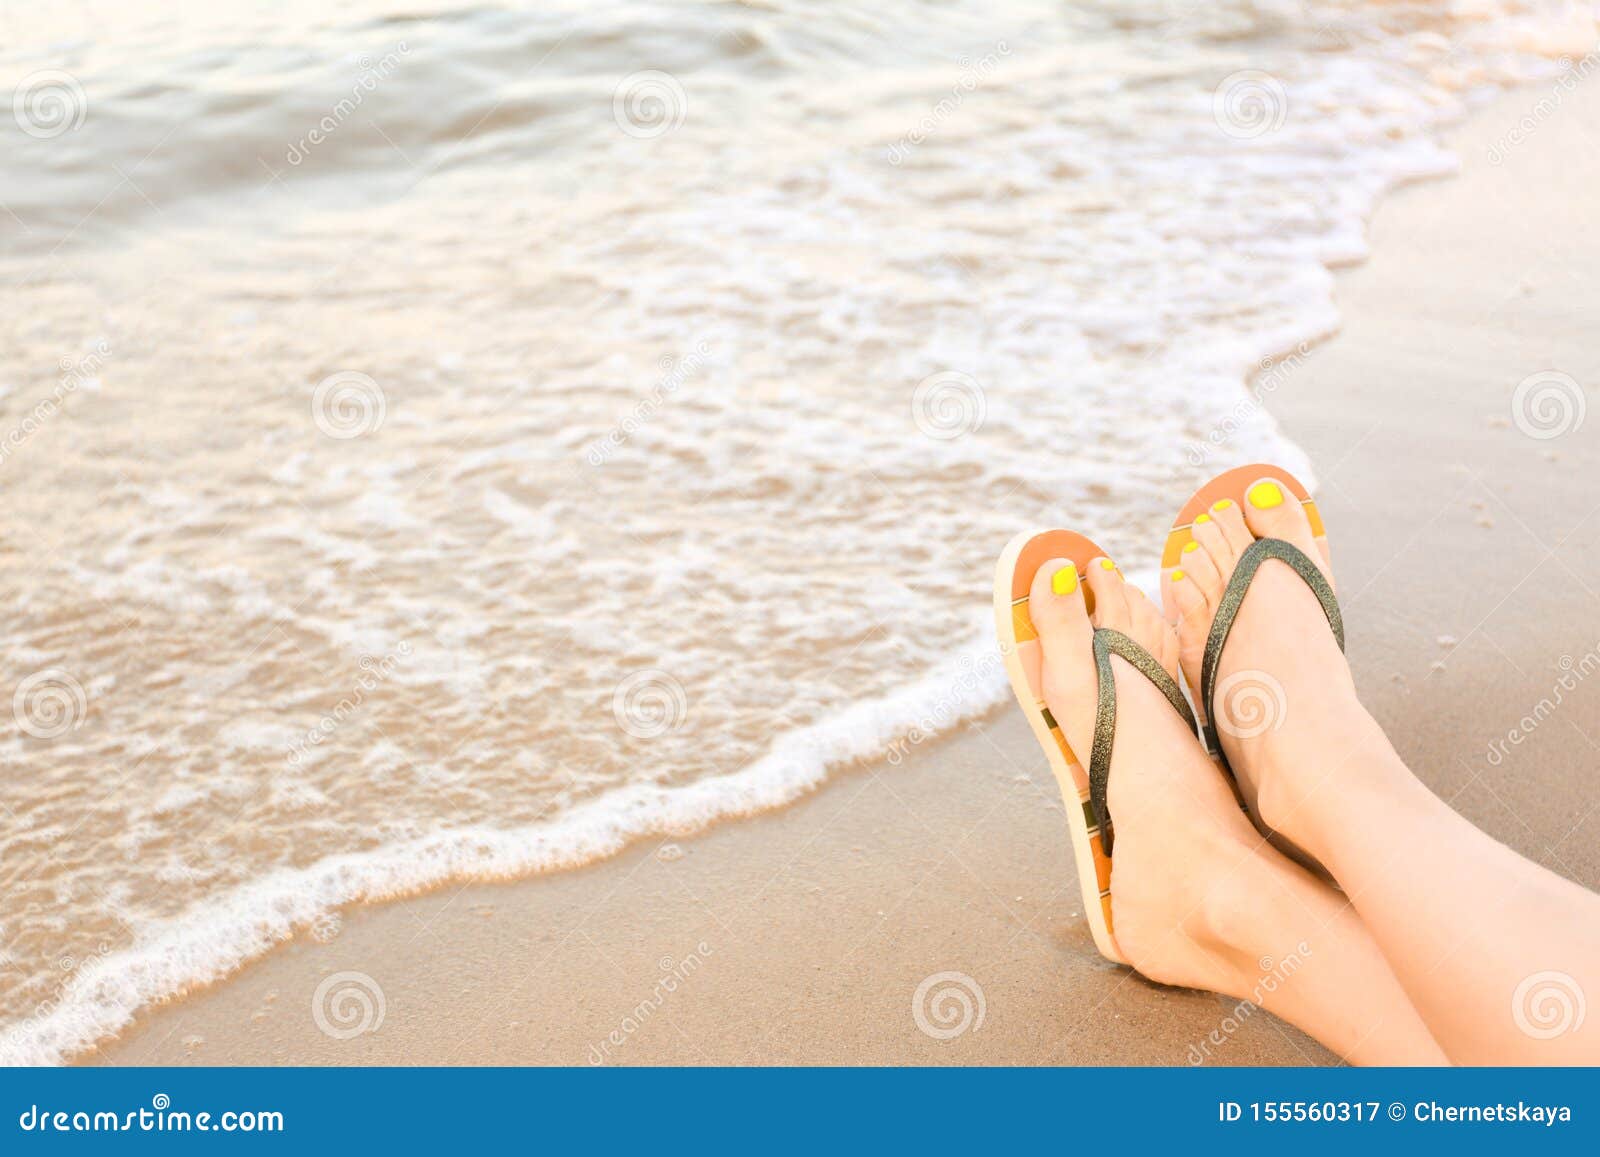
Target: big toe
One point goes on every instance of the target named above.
(1271, 511)
(1056, 606)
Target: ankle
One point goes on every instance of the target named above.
(1356, 774)
(1239, 911)
(1323, 747)
(1262, 921)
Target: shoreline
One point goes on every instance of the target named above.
(257, 919)
(815, 926)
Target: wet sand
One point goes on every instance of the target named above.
(1468, 561)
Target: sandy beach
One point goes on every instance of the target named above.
(1467, 555)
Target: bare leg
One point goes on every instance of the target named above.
(1495, 952)
(1198, 898)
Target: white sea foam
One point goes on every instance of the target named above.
(173, 956)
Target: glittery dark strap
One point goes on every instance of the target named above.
(1107, 643)
(1233, 598)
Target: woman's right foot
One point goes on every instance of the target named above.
(1287, 714)
(1194, 889)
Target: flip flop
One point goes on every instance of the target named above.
(1231, 486)
(1083, 790)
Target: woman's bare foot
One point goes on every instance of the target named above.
(1287, 713)
(1189, 872)
(1475, 933)
(1197, 897)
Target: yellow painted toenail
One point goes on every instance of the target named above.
(1176, 575)
(1223, 505)
(1265, 495)
(1199, 518)
(1064, 581)
(1190, 547)
(1107, 564)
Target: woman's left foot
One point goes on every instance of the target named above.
(1196, 895)
(1286, 704)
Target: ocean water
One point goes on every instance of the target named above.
(451, 441)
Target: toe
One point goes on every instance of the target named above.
(1272, 511)
(1229, 518)
(1187, 604)
(1110, 595)
(1204, 569)
(1056, 606)
(1169, 652)
(1215, 542)
(1152, 632)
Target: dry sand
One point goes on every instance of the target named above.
(800, 937)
